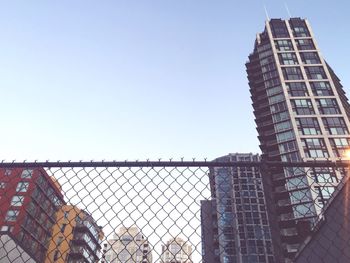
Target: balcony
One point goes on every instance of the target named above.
(285, 202)
(280, 189)
(286, 217)
(289, 232)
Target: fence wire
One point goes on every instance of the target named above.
(166, 212)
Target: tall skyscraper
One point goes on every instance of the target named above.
(76, 237)
(235, 223)
(176, 250)
(209, 232)
(302, 114)
(129, 245)
(29, 200)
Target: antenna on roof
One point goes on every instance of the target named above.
(286, 6)
(266, 13)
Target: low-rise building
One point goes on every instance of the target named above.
(29, 200)
(129, 245)
(176, 250)
(76, 237)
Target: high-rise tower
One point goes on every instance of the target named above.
(235, 225)
(301, 114)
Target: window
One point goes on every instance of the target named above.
(284, 45)
(281, 106)
(288, 147)
(302, 107)
(56, 255)
(308, 126)
(303, 210)
(290, 157)
(292, 73)
(285, 136)
(8, 172)
(27, 173)
(286, 125)
(300, 196)
(276, 98)
(294, 171)
(279, 28)
(324, 193)
(288, 59)
(314, 147)
(328, 106)
(17, 200)
(2, 185)
(315, 73)
(11, 215)
(272, 82)
(59, 241)
(297, 89)
(274, 90)
(277, 117)
(299, 27)
(305, 44)
(270, 75)
(321, 88)
(22, 187)
(63, 227)
(4, 228)
(335, 125)
(339, 146)
(296, 183)
(66, 214)
(310, 58)
(324, 175)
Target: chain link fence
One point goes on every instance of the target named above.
(187, 212)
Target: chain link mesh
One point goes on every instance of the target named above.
(173, 212)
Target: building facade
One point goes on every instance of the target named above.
(332, 231)
(243, 231)
(76, 237)
(302, 114)
(29, 200)
(176, 250)
(209, 232)
(129, 245)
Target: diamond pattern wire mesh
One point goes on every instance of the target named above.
(151, 212)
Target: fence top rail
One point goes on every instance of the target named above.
(170, 163)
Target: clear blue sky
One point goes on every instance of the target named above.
(140, 79)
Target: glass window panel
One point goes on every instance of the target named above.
(308, 126)
(335, 125)
(297, 89)
(310, 58)
(22, 187)
(27, 173)
(285, 136)
(321, 88)
(314, 148)
(340, 146)
(315, 72)
(279, 28)
(284, 45)
(12, 215)
(288, 59)
(302, 107)
(292, 73)
(328, 106)
(305, 44)
(17, 200)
